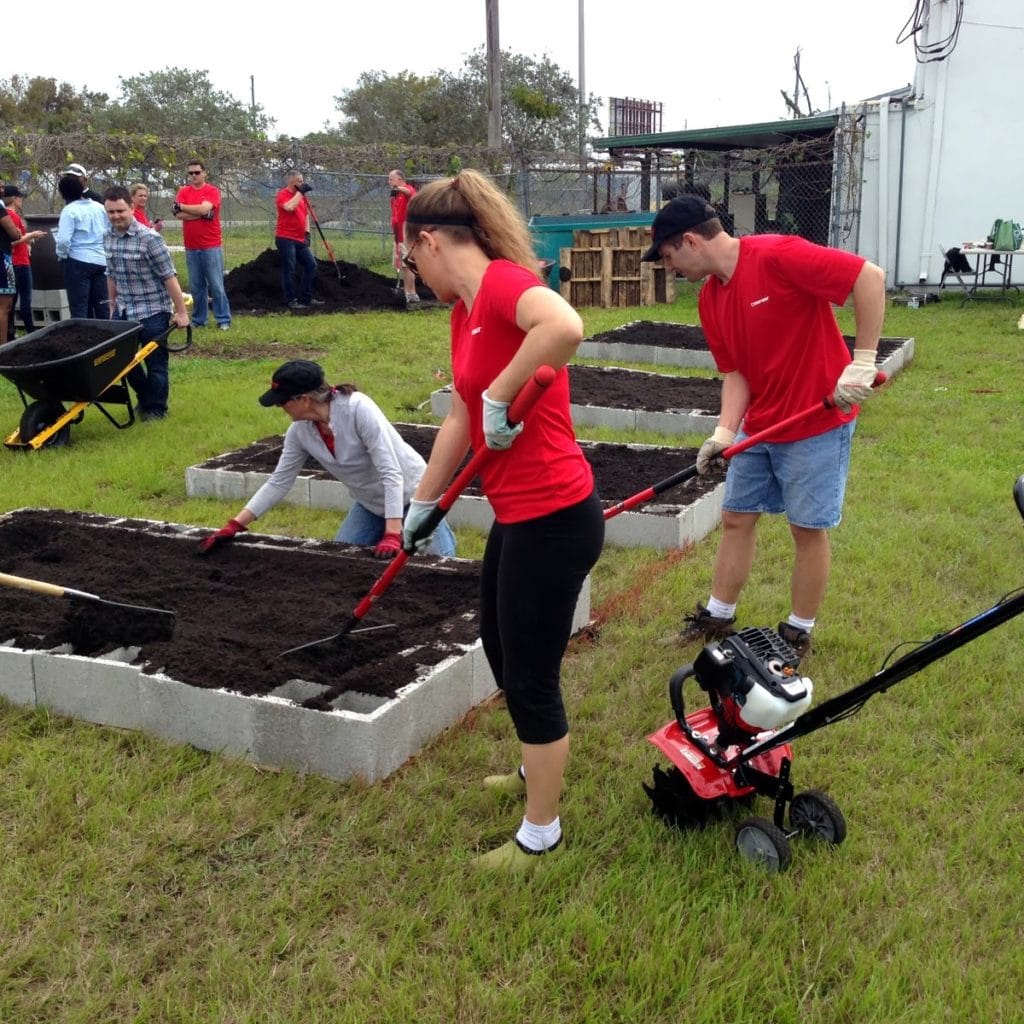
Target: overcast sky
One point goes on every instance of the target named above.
(712, 63)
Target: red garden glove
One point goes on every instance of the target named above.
(388, 546)
(225, 533)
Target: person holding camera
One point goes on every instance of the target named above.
(197, 206)
(292, 239)
(401, 193)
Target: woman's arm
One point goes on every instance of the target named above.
(554, 331)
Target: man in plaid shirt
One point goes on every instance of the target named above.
(140, 279)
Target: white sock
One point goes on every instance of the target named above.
(539, 838)
(805, 624)
(719, 609)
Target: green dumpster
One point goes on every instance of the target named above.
(550, 234)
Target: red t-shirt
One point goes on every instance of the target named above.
(201, 234)
(773, 322)
(291, 223)
(140, 216)
(544, 470)
(399, 204)
(21, 255)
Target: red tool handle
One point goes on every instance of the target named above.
(690, 472)
(524, 401)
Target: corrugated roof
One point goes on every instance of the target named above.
(740, 136)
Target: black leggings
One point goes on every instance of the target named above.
(531, 579)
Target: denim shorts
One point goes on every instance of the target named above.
(805, 479)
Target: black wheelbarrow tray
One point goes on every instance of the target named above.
(94, 376)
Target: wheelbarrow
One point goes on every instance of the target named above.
(94, 376)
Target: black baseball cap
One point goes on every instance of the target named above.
(10, 191)
(681, 214)
(291, 379)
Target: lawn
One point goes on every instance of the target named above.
(144, 882)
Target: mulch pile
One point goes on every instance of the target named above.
(256, 288)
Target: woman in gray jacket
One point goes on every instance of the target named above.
(345, 431)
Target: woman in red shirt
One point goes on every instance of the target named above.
(140, 196)
(473, 248)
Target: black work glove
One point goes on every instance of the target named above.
(176, 208)
(304, 187)
(395, 192)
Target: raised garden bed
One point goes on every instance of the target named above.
(651, 341)
(680, 516)
(357, 707)
(608, 396)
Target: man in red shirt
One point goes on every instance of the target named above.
(292, 239)
(197, 206)
(401, 193)
(766, 310)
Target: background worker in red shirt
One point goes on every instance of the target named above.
(21, 259)
(197, 206)
(401, 193)
(292, 239)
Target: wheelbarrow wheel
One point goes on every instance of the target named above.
(760, 841)
(817, 815)
(40, 415)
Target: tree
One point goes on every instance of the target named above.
(178, 103)
(540, 107)
(46, 106)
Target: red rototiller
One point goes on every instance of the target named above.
(739, 746)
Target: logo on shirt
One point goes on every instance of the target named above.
(476, 330)
(759, 302)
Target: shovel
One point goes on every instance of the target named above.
(531, 391)
(642, 497)
(131, 623)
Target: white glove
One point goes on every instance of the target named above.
(856, 380)
(712, 448)
(414, 519)
(498, 432)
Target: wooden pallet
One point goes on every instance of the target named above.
(610, 277)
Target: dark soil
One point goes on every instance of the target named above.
(63, 340)
(654, 332)
(236, 609)
(256, 288)
(612, 388)
(688, 336)
(620, 470)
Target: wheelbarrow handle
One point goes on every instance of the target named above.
(642, 497)
(163, 340)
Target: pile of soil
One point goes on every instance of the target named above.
(660, 334)
(620, 470)
(608, 387)
(65, 339)
(237, 608)
(256, 288)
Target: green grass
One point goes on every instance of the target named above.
(150, 883)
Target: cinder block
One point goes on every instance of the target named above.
(329, 494)
(693, 422)
(201, 483)
(17, 679)
(299, 690)
(100, 690)
(229, 485)
(214, 720)
(298, 493)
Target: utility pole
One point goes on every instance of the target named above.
(493, 77)
(582, 93)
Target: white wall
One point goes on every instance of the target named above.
(963, 149)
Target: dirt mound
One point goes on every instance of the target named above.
(256, 287)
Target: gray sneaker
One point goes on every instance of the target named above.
(701, 625)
